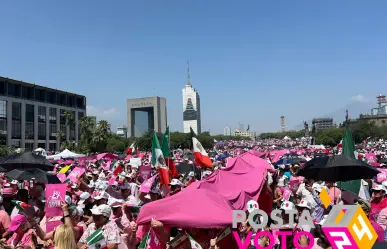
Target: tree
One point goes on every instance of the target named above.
(69, 122)
(101, 135)
(86, 128)
(61, 135)
(115, 145)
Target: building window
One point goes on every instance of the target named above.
(383, 121)
(28, 92)
(29, 146)
(52, 118)
(30, 109)
(3, 122)
(3, 87)
(16, 120)
(72, 127)
(42, 122)
(63, 123)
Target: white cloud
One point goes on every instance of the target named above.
(102, 113)
(112, 115)
(359, 98)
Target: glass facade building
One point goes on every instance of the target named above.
(32, 115)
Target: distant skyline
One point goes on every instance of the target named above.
(251, 62)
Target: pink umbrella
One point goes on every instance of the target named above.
(212, 211)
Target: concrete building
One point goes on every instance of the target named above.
(239, 133)
(323, 123)
(227, 131)
(122, 131)
(191, 107)
(378, 114)
(146, 114)
(31, 115)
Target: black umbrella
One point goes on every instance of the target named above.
(336, 168)
(26, 161)
(27, 174)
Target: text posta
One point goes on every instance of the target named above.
(304, 220)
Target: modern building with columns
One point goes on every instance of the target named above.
(31, 115)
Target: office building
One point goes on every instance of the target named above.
(32, 116)
(122, 131)
(323, 123)
(378, 114)
(146, 114)
(227, 131)
(240, 133)
(191, 107)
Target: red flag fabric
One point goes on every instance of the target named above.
(201, 157)
(172, 167)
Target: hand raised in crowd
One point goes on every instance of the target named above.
(84, 246)
(64, 206)
(156, 223)
(213, 244)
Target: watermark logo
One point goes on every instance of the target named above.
(258, 219)
(347, 227)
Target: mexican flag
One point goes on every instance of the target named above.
(20, 205)
(355, 187)
(194, 244)
(96, 240)
(158, 161)
(165, 148)
(131, 149)
(144, 244)
(201, 157)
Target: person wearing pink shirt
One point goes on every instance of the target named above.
(22, 233)
(378, 201)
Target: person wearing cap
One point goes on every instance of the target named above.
(378, 200)
(86, 203)
(21, 233)
(305, 191)
(101, 219)
(31, 212)
(175, 186)
(127, 196)
(101, 198)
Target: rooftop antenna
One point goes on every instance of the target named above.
(189, 76)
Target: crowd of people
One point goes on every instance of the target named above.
(109, 199)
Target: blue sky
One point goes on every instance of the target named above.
(252, 61)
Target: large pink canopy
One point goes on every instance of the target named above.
(191, 208)
(208, 203)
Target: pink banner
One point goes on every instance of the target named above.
(371, 157)
(112, 180)
(381, 177)
(73, 176)
(55, 193)
(147, 185)
(107, 167)
(145, 172)
(287, 194)
(51, 225)
(82, 162)
(62, 177)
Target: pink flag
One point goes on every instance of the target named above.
(107, 167)
(155, 242)
(51, 225)
(55, 193)
(145, 172)
(73, 176)
(287, 193)
(147, 185)
(62, 177)
(112, 180)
